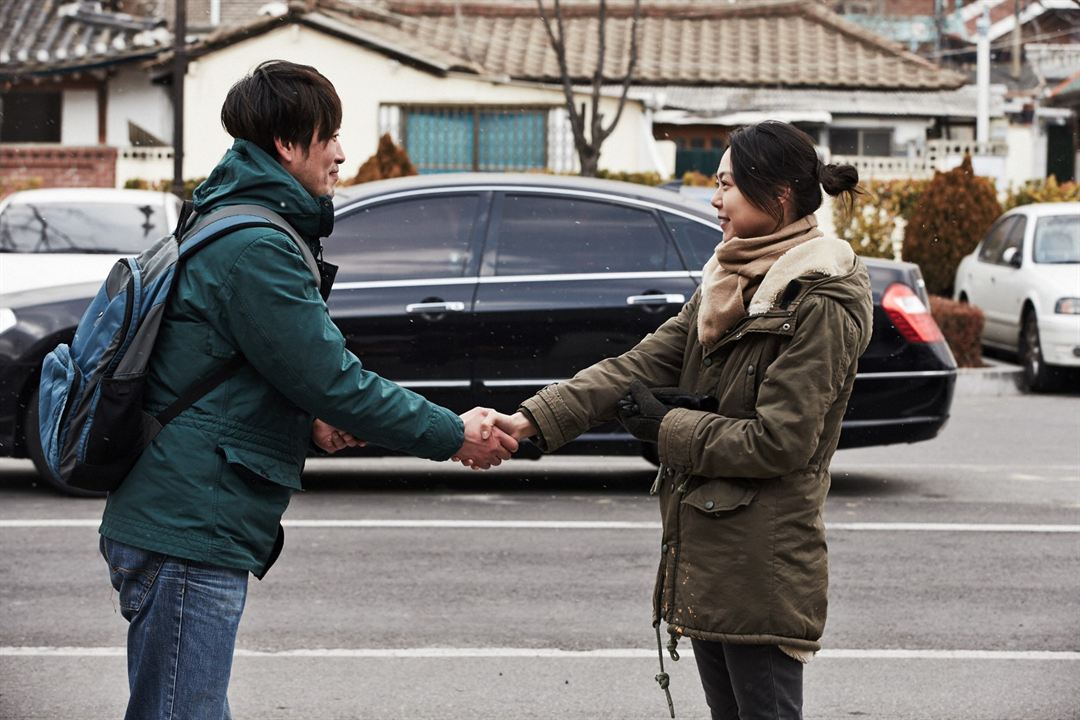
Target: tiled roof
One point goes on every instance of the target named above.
(778, 43)
(759, 43)
(46, 36)
(712, 104)
(380, 31)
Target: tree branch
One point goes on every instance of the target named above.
(628, 78)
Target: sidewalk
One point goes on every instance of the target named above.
(996, 378)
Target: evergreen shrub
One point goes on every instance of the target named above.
(639, 178)
(1037, 191)
(951, 216)
(962, 326)
(389, 161)
(878, 217)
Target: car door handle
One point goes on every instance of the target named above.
(669, 299)
(428, 308)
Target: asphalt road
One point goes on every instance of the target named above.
(414, 590)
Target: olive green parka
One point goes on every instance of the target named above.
(213, 484)
(743, 552)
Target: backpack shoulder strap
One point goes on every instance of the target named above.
(232, 217)
(210, 227)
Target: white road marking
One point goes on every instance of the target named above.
(584, 525)
(440, 653)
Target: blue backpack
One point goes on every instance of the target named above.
(92, 424)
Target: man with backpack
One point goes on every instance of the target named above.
(201, 507)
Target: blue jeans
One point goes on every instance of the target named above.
(182, 621)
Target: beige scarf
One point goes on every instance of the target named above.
(734, 272)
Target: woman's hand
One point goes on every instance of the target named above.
(517, 426)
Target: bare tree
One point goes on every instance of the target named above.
(588, 144)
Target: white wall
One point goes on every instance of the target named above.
(1026, 148)
(131, 96)
(364, 79)
(907, 132)
(79, 117)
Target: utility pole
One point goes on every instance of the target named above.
(982, 79)
(939, 28)
(179, 71)
(1017, 41)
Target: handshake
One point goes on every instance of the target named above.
(492, 436)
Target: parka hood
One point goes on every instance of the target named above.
(248, 175)
(834, 271)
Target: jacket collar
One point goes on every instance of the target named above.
(823, 257)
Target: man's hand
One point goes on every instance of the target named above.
(329, 438)
(641, 413)
(486, 445)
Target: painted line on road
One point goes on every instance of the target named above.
(585, 525)
(986, 467)
(607, 653)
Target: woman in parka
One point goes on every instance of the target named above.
(743, 392)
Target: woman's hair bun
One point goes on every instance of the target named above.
(836, 179)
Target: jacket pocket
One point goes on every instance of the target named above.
(254, 466)
(714, 497)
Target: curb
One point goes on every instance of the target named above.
(996, 378)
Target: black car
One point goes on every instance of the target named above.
(480, 289)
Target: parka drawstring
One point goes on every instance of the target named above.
(663, 678)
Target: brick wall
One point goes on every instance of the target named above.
(56, 166)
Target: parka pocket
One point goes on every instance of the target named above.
(256, 467)
(714, 497)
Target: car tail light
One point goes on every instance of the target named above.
(909, 315)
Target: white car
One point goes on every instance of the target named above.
(61, 236)
(1025, 276)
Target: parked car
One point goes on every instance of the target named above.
(1025, 276)
(481, 289)
(76, 234)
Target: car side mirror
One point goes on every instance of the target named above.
(1011, 257)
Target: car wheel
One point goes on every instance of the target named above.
(1037, 376)
(33, 449)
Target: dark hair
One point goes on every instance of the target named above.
(282, 100)
(772, 156)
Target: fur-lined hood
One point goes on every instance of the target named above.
(809, 263)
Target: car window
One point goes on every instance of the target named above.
(547, 235)
(1014, 238)
(81, 227)
(696, 240)
(990, 250)
(1057, 239)
(420, 237)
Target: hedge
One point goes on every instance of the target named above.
(962, 326)
(950, 217)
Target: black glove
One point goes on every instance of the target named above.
(674, 397)
(641, 413)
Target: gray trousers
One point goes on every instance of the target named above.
(749, 682)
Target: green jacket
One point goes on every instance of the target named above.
(743, 554)
(213, 485)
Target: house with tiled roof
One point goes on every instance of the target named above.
(480, 69)
(1034, 46)
(73, 95)
(474, 84)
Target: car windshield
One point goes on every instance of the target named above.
(80, 227)
(1057, 239)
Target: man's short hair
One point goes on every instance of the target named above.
(282, 100)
